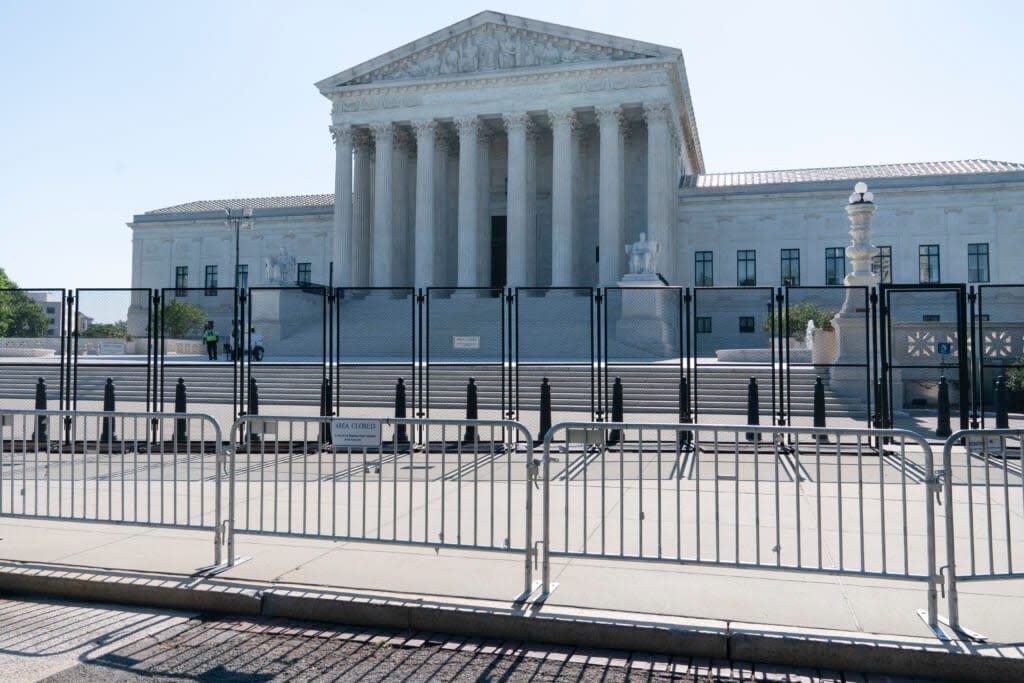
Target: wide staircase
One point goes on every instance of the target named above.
(719, 389)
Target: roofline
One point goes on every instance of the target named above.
(922, 182)
(276, 212)
(332, 83)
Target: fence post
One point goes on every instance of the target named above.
(401, 430)
(471, 411)
(545, 411)
(326, 409)
(819, 409)
(685, 437)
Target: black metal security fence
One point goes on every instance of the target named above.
(881, 357)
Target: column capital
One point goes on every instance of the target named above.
(562, 118)
(467, 126)
(404, 141)
(516, 122)
(609, 114)
(658, 110)
(362, 140)
(382, 132)
(342, 134)
(424, 128)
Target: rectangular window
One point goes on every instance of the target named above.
(931, 318)
(791, 267)
(703, 324)
(928, 263)
(977, 262)
(835, 265)
(211, 281)
(703, 269)
(747, 324)
(180, 280)
(242, 276)
(746, 268)
(305, 273)
(882, 264)
(51, 310)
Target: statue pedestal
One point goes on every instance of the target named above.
(643, 323)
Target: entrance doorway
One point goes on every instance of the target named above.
(499, 248)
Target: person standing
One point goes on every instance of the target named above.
(210, 337)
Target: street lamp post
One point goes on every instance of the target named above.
(238, 219)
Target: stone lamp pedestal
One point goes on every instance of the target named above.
(848, 375)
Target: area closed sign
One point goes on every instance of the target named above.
(355, 433)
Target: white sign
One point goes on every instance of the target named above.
(112, 348)
(355, 433)
(585, 436)
(263, 426)
(466, 342)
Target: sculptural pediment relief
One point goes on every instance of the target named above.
(493, 48)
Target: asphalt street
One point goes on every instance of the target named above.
(71, 642)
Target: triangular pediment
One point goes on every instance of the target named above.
(490, 42)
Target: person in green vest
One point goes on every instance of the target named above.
(210, 337)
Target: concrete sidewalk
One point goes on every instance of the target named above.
(796, 618)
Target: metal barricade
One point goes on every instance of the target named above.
(984, 501)
(150, 469)
(433, 482)
(841, 501)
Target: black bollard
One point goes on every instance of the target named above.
(879, 405)
(943, 428)
(615, 435)
(1002, 404)
(326, 409)
(819, 409)
(545, 411)
(401, 430)
(180, 406)
(471, 411)
(753, 409)
(253, 407)
(685, 438)
(108, 434)
(41, 435)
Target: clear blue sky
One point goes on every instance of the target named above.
(113, 108)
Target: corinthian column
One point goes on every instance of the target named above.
(609, 220)
(424, 258)
(660, 184)
(383, 135)
(516, 124)
(562, 123)
(342, 205)
(361, 210)
(468, 195)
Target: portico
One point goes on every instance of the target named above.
(503, 141)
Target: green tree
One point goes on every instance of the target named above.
(118, 330)
(182, 318)
(797, 316)
(20, 316)
(1015, 375)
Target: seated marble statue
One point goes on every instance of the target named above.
(641, 255)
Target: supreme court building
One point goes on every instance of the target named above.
(503, 151)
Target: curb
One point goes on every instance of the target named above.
(580, 628)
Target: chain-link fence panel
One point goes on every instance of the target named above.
(466, 346)
(998, 318)
(925, 345)
(284, 350)
(375, 351)
(33, 346)
(199, 335)
(643, 339)
(735, 353)
(113, 349)
(826, 337)
(554, 346)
